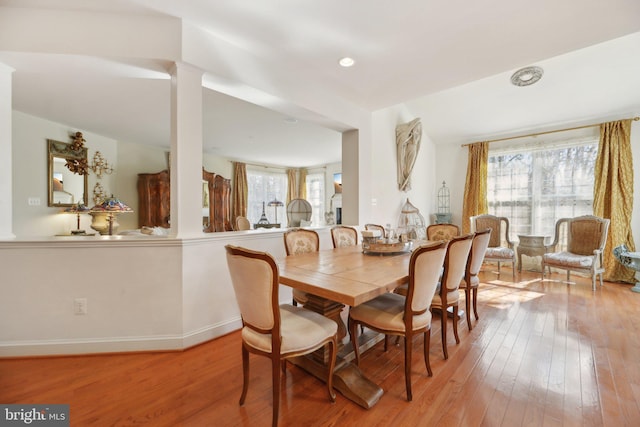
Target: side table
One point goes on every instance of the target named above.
(530, 246)
(259, 225)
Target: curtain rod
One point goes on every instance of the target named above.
(543, 133)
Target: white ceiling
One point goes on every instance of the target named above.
(448, 62)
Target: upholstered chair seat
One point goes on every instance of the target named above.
(567, 259)
(387, 312)
(451, 297)
(300, 329)
(506, 254)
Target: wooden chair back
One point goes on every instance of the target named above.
(254, 276)
(242, 223)
(342, 235)
(445, 232)
(300, 240)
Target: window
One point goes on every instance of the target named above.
(536, 184)
(315, 196)
(264, 187)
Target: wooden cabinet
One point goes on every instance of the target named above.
(154, 198)
(221, 204)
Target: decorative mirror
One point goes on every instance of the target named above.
(68, 172)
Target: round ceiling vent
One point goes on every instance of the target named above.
(527, 76)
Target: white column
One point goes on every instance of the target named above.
(6, 193)
(351, 161)
(186, 150)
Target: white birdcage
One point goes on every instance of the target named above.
(411, 222)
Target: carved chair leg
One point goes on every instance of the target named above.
(475, 302)
(443, 330)
(245, 374)
(427, 344)
(333, 349)
(408, 345)
(467, 302)
(275, 372)
(455, 323)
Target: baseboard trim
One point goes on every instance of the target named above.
(11, 349)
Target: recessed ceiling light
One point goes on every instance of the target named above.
(290, 120)
(346, 62)
(527, 76)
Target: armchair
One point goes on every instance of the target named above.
(500, 246)
(577, 246)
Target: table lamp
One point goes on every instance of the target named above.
(276, 204)
(77, 209)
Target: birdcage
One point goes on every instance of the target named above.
(411, 223)
(443, 216)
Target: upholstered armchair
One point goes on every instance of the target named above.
(577, 246)
(500, 247)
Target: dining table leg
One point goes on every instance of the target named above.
(348, 379)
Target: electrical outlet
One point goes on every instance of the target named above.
(33, 201)
(80, 306)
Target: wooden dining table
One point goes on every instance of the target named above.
(333, 279)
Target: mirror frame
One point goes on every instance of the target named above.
(64, 150)
(208, 177)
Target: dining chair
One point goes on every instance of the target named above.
(376, 227)
(242, 223)
(500, 247)
(342, 235)
(393, 314)
(300, 241)
(448, 294)
(442, 232)
(471, 281)
(273, 330)
(585, 238)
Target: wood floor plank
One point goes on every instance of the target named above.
(543, 353)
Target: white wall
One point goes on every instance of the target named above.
(29, 148)
(30, 170)
(387, 200)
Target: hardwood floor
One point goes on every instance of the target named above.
(543, 353)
